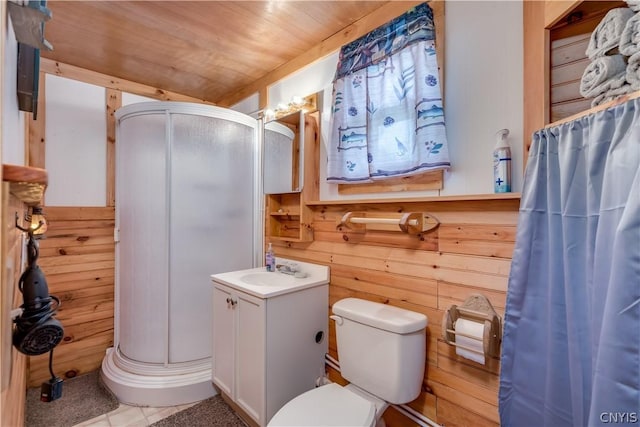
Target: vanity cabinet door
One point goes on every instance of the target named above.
(238, 365)
(250, 360)
(223, 360)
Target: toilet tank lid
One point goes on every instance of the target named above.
(381, 316)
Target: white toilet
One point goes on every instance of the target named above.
(382, 352)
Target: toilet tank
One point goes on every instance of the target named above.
(381, 348)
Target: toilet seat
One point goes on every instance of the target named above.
(329, 405)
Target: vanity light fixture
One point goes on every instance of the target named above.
(297, 103)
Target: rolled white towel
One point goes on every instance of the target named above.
(634, 5)
(607, 34)
(611, 95)
(633, 71)
(603, 74)
(630, 37)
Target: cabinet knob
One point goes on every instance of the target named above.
(232, 302)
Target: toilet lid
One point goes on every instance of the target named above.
(329, 405)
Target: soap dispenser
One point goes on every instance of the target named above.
(270, 259)
(502, 163)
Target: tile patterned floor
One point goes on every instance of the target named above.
(132, 416)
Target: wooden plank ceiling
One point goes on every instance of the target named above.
(204, 49)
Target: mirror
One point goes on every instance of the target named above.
(283, 153)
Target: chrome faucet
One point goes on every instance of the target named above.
(286, 268)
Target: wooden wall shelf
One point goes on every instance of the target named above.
(463, 198)
(26, 183)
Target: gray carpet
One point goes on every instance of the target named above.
(212, 412)
(83, 397)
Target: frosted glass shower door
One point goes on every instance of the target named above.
(143, 248)
(186, 204)
(212, 217)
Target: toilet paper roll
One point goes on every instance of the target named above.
(474, 329)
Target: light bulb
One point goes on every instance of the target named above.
(269, 114)
(38, 223)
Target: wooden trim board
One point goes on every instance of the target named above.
(56, 68)
(593, 110)
(426, 181)
(463, 198)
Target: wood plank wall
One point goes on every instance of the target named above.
(568, 62)
(13, 397)
(470, 252)
(78, 260)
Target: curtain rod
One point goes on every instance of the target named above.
(621, 100)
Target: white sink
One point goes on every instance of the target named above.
(266, 284)
(265, 278)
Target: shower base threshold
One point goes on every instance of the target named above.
(154, 385)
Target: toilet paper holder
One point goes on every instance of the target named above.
(476, 308)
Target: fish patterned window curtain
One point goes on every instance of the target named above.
(387, 117)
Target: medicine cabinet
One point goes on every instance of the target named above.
(288, 217)
(283, 168)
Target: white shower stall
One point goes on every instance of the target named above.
(188, 205)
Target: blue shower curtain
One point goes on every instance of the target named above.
(570, 351)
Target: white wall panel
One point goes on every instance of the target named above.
(311, 79)
(75, 143)
(131, 98)
(249, 105)
(12, 119)
(483, 91)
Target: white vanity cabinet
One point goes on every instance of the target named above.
(267, 349)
